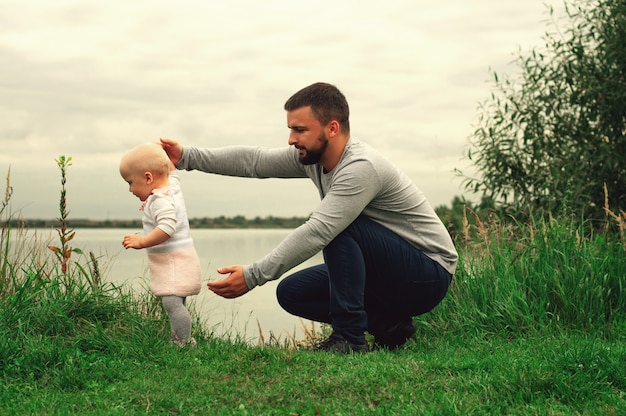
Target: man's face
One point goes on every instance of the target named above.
(307, 135)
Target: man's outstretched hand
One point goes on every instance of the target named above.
(232, 286)
(173, 149)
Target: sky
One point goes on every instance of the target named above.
(91, 79)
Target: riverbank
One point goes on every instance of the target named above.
(534, 323)
(78, 351)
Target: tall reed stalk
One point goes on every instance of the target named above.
(4, 235)
(66, 234)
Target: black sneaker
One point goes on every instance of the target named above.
(337, 343)
(397, 335)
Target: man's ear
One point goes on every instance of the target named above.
(333, 128)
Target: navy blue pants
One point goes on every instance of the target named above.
(371, 279)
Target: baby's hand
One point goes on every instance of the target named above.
(132, 241)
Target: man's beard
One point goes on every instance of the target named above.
(312, 157)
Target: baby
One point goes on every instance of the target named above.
(173, 261)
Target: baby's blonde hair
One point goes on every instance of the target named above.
(146, 157)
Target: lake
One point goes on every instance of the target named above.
(216, 248)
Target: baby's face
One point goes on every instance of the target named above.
(139, 185)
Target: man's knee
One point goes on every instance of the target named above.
(281, 292)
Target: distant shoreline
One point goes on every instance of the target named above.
(217, 222)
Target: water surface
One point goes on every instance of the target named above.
(216, 248)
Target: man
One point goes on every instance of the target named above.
(387, 256)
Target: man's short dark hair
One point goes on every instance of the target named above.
(326, 101)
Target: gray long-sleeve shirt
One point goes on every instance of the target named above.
(363, 182)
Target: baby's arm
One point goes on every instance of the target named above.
(137, 241)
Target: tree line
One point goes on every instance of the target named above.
(237, 221)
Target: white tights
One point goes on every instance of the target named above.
(180, 319)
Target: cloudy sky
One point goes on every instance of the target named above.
(90, 79)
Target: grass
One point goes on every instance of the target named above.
(534, 323)
(559, 373)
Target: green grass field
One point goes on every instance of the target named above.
(534, 324)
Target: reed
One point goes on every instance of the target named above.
(619, 219)
(528, 278)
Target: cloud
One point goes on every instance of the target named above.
(90, 79)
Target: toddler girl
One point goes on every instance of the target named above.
(173, 261)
